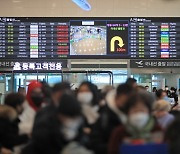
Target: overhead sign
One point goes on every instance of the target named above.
(45, 65)
(154, 63)
(117, 38)
(39, 38)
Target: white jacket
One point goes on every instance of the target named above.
(27, 119)
(110, 98)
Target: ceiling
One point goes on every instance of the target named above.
(52, 8)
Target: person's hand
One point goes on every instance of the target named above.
(5, 151)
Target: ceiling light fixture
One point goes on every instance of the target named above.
(83, 4)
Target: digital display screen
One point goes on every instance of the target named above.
(101, 37)
(88, 40)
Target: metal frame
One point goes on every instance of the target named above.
(111, 81)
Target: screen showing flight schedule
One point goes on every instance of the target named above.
(101, 37)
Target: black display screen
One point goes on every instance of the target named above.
(66, 38)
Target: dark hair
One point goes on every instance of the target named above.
(173, 137)
(46, 89)
(69, 106)
(123, 89)
(63, 86)
(140, 88)
(154, 88)
(174, 89)
(93, 88)
(142, 97)
(47, 92)
(159, 93)
(14, 99)
(131, 81)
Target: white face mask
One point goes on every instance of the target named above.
(70, 129)
(85, 97)
(139, 120)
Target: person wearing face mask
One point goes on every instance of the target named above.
(72, 127)
(87, 95)
(53, 98)
(31, 106)
(62, 133)
(110, 117)
(45, 119)
(140, 127)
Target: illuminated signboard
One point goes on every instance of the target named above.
(101, 37)
(155, 63)
(45, 65)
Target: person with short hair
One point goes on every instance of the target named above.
(15, 100)
(63, 128)
(161, 94)
(58, 90)
(9, 131)
(131, 82)
(45, 118)
(161, 112)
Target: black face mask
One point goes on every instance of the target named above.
(37, 100)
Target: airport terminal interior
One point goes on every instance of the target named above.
(106, 73)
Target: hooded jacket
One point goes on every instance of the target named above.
(110, 118)
(9, 132)
(30, 109)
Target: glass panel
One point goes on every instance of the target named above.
(42, 77)
(144, 80)
(119, 76)
(75, 79)
(2, 88)
(19, 81)
(52, 78)
(9, 83)
(100, 80)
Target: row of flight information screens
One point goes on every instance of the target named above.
(131, 38)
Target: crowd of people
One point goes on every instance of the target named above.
(59, 120)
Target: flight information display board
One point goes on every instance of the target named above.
(66, 38)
